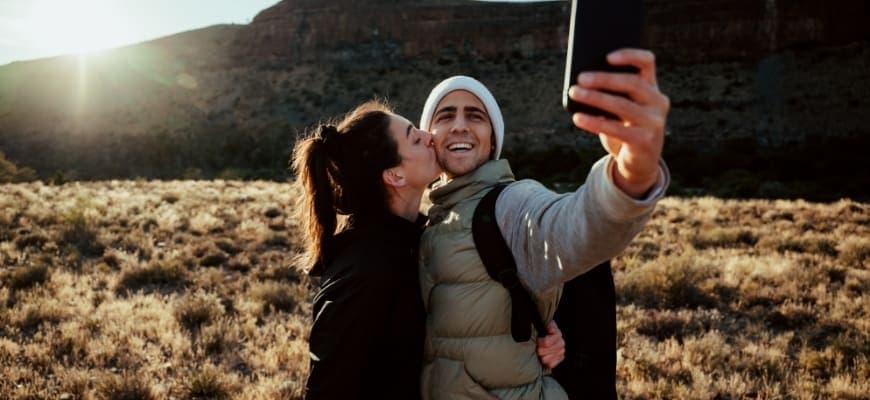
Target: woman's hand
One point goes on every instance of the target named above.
(551, 348)
(636, 140)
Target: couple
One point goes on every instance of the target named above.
(404, 312)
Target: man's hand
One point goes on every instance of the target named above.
(551, 348)
(636, 141)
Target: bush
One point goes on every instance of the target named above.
(276, 297)
(10, 173)
(207, 384)
(228, 247)
(277, 240)
(669, 282)
(33, 316)
(663, 325)
(156, 276)
(272, 212)
(35, 240)
(80, 233)
(192, 312)
(213, 260)
(727, 238)
(170, 198)
(125, 387)
(27, 277)
(854, 251)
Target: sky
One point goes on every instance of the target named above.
(42, 28)
(32, 29)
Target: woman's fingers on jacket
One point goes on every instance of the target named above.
(553, 360)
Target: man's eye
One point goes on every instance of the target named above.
(444, 117)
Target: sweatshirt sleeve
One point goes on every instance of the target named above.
(556, 237)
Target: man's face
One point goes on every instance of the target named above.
(462, 132)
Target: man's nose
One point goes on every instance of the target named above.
(459, 125)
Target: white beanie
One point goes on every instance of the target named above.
(474, 86)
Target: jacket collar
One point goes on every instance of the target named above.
(460, 188)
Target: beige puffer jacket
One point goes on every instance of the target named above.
(469, 351)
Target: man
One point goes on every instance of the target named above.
(469, 350)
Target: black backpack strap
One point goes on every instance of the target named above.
(502, 268)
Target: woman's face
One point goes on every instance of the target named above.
(419, 166)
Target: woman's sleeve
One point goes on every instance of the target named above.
(354, 313)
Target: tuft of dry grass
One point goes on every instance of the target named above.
(197, 294)
(157, 276)
(198, 309)
(81, 233)
(125, 387)
(26, 277)
(208, 383)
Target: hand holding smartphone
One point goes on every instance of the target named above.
(597, 28)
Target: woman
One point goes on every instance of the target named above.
(368, 331)
(369, 321)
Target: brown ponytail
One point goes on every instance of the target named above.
(340, 170)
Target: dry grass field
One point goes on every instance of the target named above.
(159, 290)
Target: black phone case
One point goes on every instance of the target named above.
(597, 28)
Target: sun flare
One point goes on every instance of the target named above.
(77, 26)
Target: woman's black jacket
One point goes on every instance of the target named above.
(369, 321)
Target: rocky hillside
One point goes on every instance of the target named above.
(756, 86)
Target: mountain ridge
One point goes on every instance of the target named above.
(761, 74)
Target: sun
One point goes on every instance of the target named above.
(81, 26)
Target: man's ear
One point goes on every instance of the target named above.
(394, 177)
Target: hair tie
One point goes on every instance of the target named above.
(328, 133)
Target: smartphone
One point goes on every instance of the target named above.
(597, 28)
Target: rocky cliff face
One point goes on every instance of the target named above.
(684, 31)
(302, 31)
